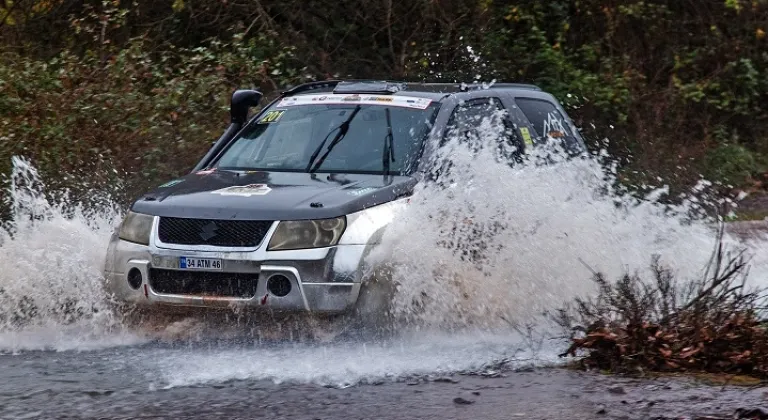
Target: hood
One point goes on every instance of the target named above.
(261, 195)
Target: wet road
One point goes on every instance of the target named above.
(121, 383)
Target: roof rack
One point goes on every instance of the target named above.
(465, 87)
(375, 87)
(347, 85)
(317, 85)
(366, 85)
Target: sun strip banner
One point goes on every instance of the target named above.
(389, 100)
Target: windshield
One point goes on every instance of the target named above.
(334, 133)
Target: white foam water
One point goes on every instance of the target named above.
(342, 365)
(51, 294)
(518, 241)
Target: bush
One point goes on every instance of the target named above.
(713, 324)
(660, 79)
(732, 164)
(134, 116)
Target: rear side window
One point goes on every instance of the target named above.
(547, 121)
(467, 118)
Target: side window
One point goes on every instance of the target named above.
(467, 118)
(484, 122)
(547, 121)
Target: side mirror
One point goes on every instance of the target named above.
(242, 100)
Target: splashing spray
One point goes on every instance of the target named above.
(499, 244)
(51, 283)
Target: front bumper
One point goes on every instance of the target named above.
(323, 280)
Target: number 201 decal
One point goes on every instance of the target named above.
(271, 117)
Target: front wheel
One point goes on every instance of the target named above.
(372, 315)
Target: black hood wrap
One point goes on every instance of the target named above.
(271, 195)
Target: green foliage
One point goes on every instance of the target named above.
(732, 164)
(737, 90)
(141, 87)
(135, 115)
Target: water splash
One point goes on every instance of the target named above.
(349, 364)
(499, 245)
(51, 293)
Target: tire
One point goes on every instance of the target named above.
(372, 316)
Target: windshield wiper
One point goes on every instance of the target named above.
(343, 128)
(388, 154)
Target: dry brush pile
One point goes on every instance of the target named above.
(714, 324)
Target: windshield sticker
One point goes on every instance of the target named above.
(553, 126)
(206, 172)
(171, 183)
(272, 117)
(526, 136)
(244, 190)
(396, 100)
(352, 98)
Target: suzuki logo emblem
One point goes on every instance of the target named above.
(209, 231)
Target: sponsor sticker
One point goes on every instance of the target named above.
(556, 134)
(362, 191)
(526, 136)
(394, 100)
(171, 183)
(244, 190)
(554, 126)
(272, 116)
(290, 101)
(380, 98)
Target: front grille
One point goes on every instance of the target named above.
(230, 233)
(198, 283)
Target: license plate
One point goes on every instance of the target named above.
(192, 263)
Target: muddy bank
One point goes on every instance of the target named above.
(748, 229)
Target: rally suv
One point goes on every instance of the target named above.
(281, 211)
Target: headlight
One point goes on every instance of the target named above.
(136, 228)
(303, 234)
